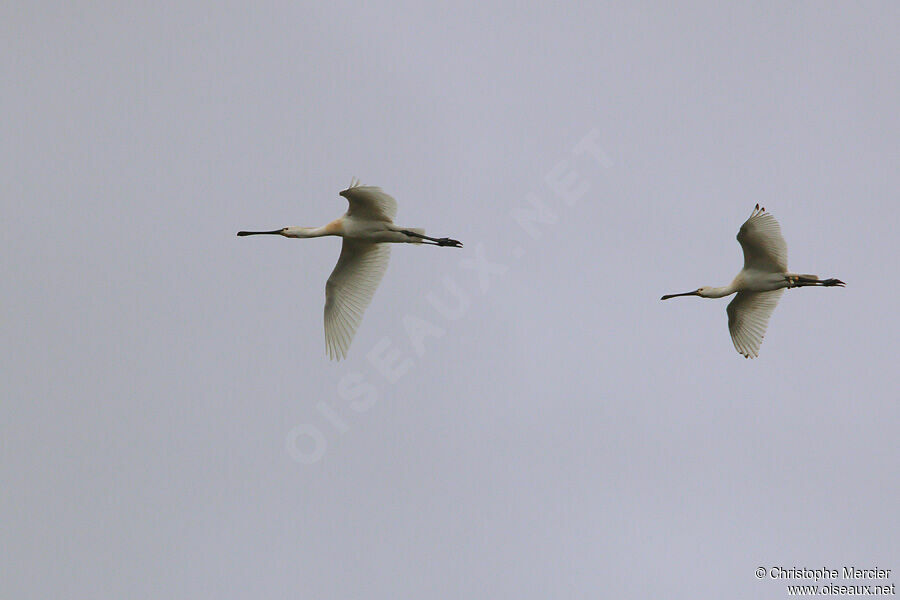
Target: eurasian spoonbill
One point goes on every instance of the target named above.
(760, 283)
(367, 227)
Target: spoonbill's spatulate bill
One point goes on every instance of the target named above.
(367, 227)
(760, 283)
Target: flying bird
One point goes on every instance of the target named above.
(367, 228)
(760, 283)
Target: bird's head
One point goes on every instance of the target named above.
(704, 292)
(698, 292)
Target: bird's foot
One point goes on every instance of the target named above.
(449, 242)
(833, 282)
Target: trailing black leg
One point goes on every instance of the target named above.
(812, 280)
(437, 241)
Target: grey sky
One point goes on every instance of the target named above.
(565, 434)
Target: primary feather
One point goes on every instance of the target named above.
(369, 201)
(748, 319)
(764, 246)
(349, 291)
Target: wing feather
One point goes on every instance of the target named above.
(370, 202)
(349, 291)
(764, 246)
(748, 318)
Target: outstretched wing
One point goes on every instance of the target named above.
(370, 202)
(349, 291)
(748, 318)
(764, 247)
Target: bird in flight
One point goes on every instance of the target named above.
(760, 283)
(367, 228)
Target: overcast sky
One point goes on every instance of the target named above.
(522, 418)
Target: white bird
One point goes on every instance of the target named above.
(760, 283)
(367, 227)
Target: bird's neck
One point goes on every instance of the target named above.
(334, 228)
(720, 292)
(307, 232)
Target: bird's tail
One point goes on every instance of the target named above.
(796, 280)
